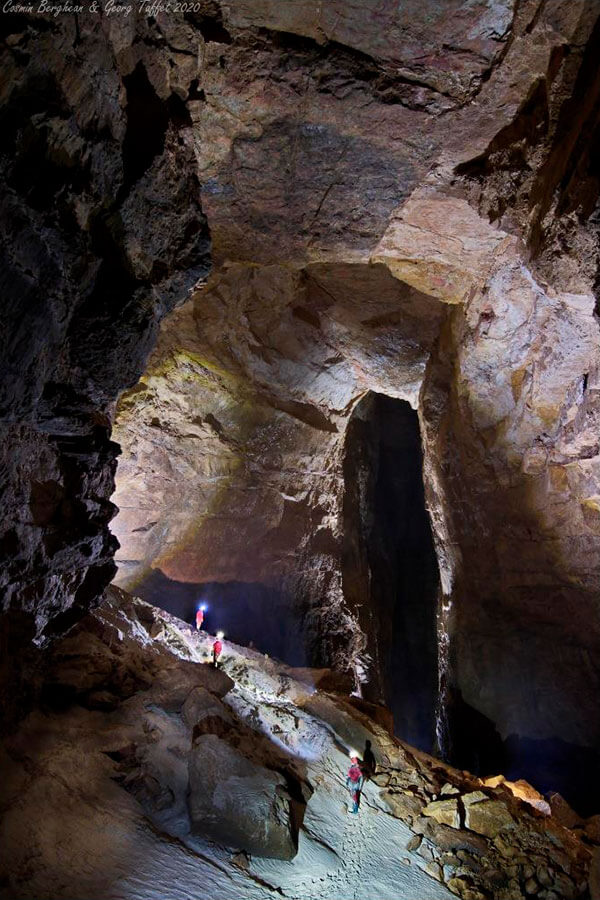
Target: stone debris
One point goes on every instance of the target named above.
(473, 797)
(449, 790)
(488, 817)
(564, 814)
(444, 811)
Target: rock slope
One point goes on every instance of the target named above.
(147, 773)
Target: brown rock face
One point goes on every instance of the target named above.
(402, 203)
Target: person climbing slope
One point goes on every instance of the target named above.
(200, 616)
(217, 648)
(354, 781)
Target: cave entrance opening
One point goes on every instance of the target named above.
(389, 568)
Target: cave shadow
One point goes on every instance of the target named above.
(540, 691)
(250, 613)
(548, 764)
(552, 764)
(474, 742)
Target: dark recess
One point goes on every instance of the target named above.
(549, 764)
(390, 567)
(147, 122)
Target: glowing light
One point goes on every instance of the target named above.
(202, 607)
(220, 635)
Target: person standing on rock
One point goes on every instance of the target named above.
(200, 616)
(217, 648)
(354, 781)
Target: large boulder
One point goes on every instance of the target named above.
(486, 817)
(444, 811)
(240, 803)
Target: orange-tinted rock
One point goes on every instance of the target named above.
(487, 817)
(445, 812)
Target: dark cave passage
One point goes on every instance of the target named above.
(550, 764)
(390, 568)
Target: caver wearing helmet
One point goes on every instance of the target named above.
(200, 616)
(217, 648)
(354, 781)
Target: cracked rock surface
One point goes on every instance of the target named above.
(102, 233)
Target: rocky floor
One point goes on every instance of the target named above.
(145, 773)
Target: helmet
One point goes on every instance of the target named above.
(353, 756)
(220, 635)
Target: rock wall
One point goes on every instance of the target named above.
(516, 449)
(233, 447)
(102, 233)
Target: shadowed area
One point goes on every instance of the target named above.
(390, 563)
(550, 764)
